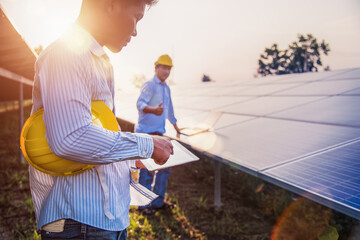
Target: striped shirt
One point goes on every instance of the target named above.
(69, 74)
(153, 92)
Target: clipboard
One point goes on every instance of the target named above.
(181, 156)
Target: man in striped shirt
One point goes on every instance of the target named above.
(69, 74)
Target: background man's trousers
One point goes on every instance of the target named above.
(146, 179)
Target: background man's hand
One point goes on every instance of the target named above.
(158, 110)
(162, 149)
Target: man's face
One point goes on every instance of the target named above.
(162, 72)
(122, 24)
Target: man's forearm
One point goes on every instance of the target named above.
(158, 110)
(139, 164)
(148, 109)
(176, 128)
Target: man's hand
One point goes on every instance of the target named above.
(139, 164)
(162, 149)
(158, 110)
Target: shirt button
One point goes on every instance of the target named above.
(144, 152)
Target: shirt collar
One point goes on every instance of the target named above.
(93, 45)
(157, 80)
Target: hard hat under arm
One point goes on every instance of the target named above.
(66, 94)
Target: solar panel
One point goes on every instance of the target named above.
(265, 105)
(340, 110)
(228, 90)
(334, 174)
(322, 88)
(352, 92)
(310, 76)
(266, 89)
(347, 74)
(228, 120)
(262, 80)
(218, 102)
(189, 101)
(261, 143)
(299, 131)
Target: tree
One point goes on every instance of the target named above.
(302, 56)
(274, 61)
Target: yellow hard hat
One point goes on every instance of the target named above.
(36, 149)
(164, 60)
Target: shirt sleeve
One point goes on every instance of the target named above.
(66, 83)
(145, 96)
(171, 114)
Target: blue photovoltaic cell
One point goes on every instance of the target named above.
(349, 74)
(340, 110)
(352, 92)
(261, 143)
(267, 89)
(227, 120)
(191, 102)
(266, 105)
(308, 77)
(231, 90)
(334, 174)
(211, 103)
(263, 80)
(323, 88)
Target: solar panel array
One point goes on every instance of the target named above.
(299, 131)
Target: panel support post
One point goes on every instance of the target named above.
(217, 185)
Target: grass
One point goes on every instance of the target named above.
(252, 209)
(17, 219)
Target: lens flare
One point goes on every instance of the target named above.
(302, 219)
(259, 188)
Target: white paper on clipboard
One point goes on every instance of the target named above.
(181, 156)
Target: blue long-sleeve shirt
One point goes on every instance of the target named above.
(153, 92)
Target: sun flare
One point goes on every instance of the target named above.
(45, 16)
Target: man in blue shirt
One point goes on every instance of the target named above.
(155, 106)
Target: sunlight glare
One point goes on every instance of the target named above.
(45, 17)
(206, 143)
(79, 41)
(58, 27)
(36, 8)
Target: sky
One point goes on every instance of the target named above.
(219, 38)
